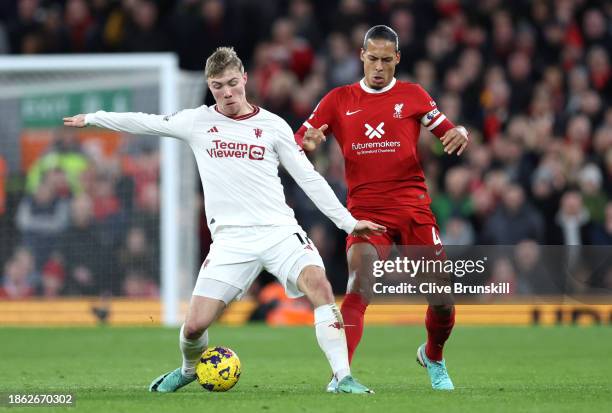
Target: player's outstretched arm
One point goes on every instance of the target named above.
(178, 125)
(76, 121)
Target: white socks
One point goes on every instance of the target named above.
(192, 350)
(329, 328)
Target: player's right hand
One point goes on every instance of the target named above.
(77, 121)
(366, 228)
(313, 137)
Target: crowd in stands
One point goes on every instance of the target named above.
(530, 79)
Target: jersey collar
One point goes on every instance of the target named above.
(242, 117)
(368, 89)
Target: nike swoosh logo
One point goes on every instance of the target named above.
(349, 113)
(438, 252)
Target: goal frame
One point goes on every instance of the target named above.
(167, 68)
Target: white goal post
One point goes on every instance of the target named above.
(179, 257)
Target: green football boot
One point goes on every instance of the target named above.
(440, 380)
(170, 382)
(350, 385)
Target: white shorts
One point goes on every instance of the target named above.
(239, 254)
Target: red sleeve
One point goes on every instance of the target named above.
(427, 110)
(322, 114)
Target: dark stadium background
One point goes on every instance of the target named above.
(531, 80)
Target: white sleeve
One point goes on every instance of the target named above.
(294, 160)
(178, 125)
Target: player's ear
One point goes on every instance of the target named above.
(245, 77)
(362, 55)
(398, 56)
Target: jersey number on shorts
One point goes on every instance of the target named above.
(436, 237)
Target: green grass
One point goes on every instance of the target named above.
(553, 369)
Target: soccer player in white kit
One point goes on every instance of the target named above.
(238, 147)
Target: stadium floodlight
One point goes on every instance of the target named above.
(46, 88)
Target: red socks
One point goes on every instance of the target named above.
(353, 309)
(439, 327)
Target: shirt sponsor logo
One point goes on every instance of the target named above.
(224, 149)
(376, 132)
(375, 147)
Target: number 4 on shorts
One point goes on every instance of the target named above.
(436, 237)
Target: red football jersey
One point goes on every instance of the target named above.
(378, 132)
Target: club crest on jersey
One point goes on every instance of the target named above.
(258, 132)
(398, 110)
(376, 132)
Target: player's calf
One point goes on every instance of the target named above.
(329, 327)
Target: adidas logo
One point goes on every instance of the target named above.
(213, 130)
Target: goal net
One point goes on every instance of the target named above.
(89, 212)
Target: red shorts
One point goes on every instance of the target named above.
(414, 226)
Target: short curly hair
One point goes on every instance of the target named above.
(223, 58)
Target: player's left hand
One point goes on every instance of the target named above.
(365, 228)
(76, 121)
(455, 138)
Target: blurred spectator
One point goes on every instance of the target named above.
(458, 231)
(107, 212)
(503, 272)
(301, 13)
(343, 65)
(144, 34)
(78, 22)
(573, 224)
(52, 277)
(19, 279)
(350, 14)
(136, 259)
(602, 233)
(591, 180)
(290, 51)
(24, 28)
(514, 220)
(41, 219)
(87, 259)
(197, 28)
(55, 36)
(519, 75)
(65, 159)
(532, 270)
(138, 285)
(454, 201)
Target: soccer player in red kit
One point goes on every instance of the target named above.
(377, 122)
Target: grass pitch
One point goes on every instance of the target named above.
(535, 369)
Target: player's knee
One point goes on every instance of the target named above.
(313, 282)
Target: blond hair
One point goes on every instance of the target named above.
(223, 58)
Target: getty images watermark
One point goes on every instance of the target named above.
(405, 275)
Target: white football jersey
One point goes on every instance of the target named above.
(238, 162)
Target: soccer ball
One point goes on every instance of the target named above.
(218, 369)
